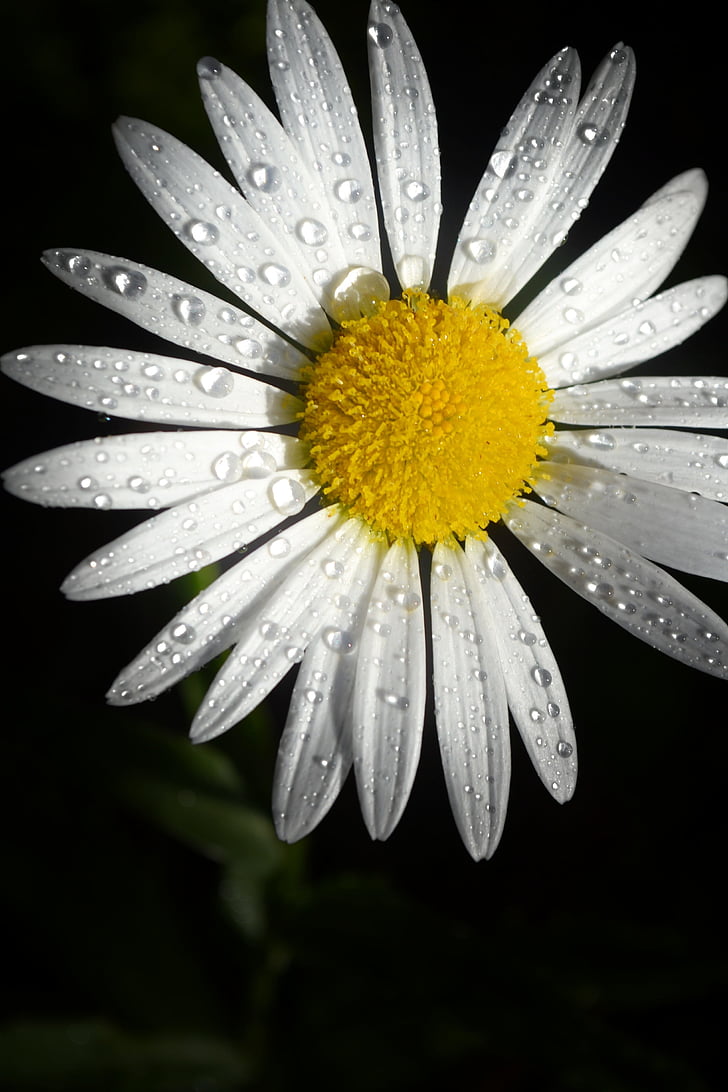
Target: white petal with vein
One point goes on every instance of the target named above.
(186, 538)
(405, 142)
(470, 701)
(147, 387)
(390, 690)
(536, 692)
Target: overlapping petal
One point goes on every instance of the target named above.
(318, 113)
(620, 583)
(177, 311)
(149, 470)
(684, 460)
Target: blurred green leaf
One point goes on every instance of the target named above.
(76, 1056)
(223, 829)
(159, 755)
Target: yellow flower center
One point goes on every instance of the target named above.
(426, 418)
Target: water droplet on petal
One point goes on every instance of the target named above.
(311, 232)
(208, 68)
(417, 191)
(201, 232)
(338, 640)
(275, 274)
(264, 176)
(348, 190)
(189, 309)
(126, 282)
(215, 382)
(481, 251)
(564, 749)
(541, 676)
(287, 495)
(227, 467)
(380, 34)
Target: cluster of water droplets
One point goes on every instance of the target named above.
(538, 180)
(683, 460)
(319, 116)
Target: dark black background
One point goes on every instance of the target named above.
(590, 952)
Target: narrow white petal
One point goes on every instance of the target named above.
(390, 691)
(270, 644)
(221, 229)
(470, 701)
(186, 538)
(669, 526)
(149, 469)
(684, 460)
(536, 692)
(563, 171)
(176, 311)
(271, 173)
(318, 113)
(405, 142)
(629, 263)
(315, 752)
(640, 332)
(147, 387)
(210, 622)
(690, 401)
(628, 589)
(500, 225)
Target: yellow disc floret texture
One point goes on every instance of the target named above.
(425, 418)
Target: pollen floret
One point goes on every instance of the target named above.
(426, 418)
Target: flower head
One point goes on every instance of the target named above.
(345, 436)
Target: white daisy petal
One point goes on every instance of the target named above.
(507, 209)
(221, 229)
(684, 460)
(147, 387)
(626, 265)
(315, 752)
(390, 689)
(270, 644)
(318, 112)
(186, 538)
(675, 528)
(210, 622)
(149, 470)
(638, 333)
(405, 141)
(630, 590)
(272, 175)
(176, 311)
(470, 701)
(676, 401)
(536, 693)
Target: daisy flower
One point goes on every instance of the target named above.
(358, 448)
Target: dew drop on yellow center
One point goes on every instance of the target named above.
(425, 418)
